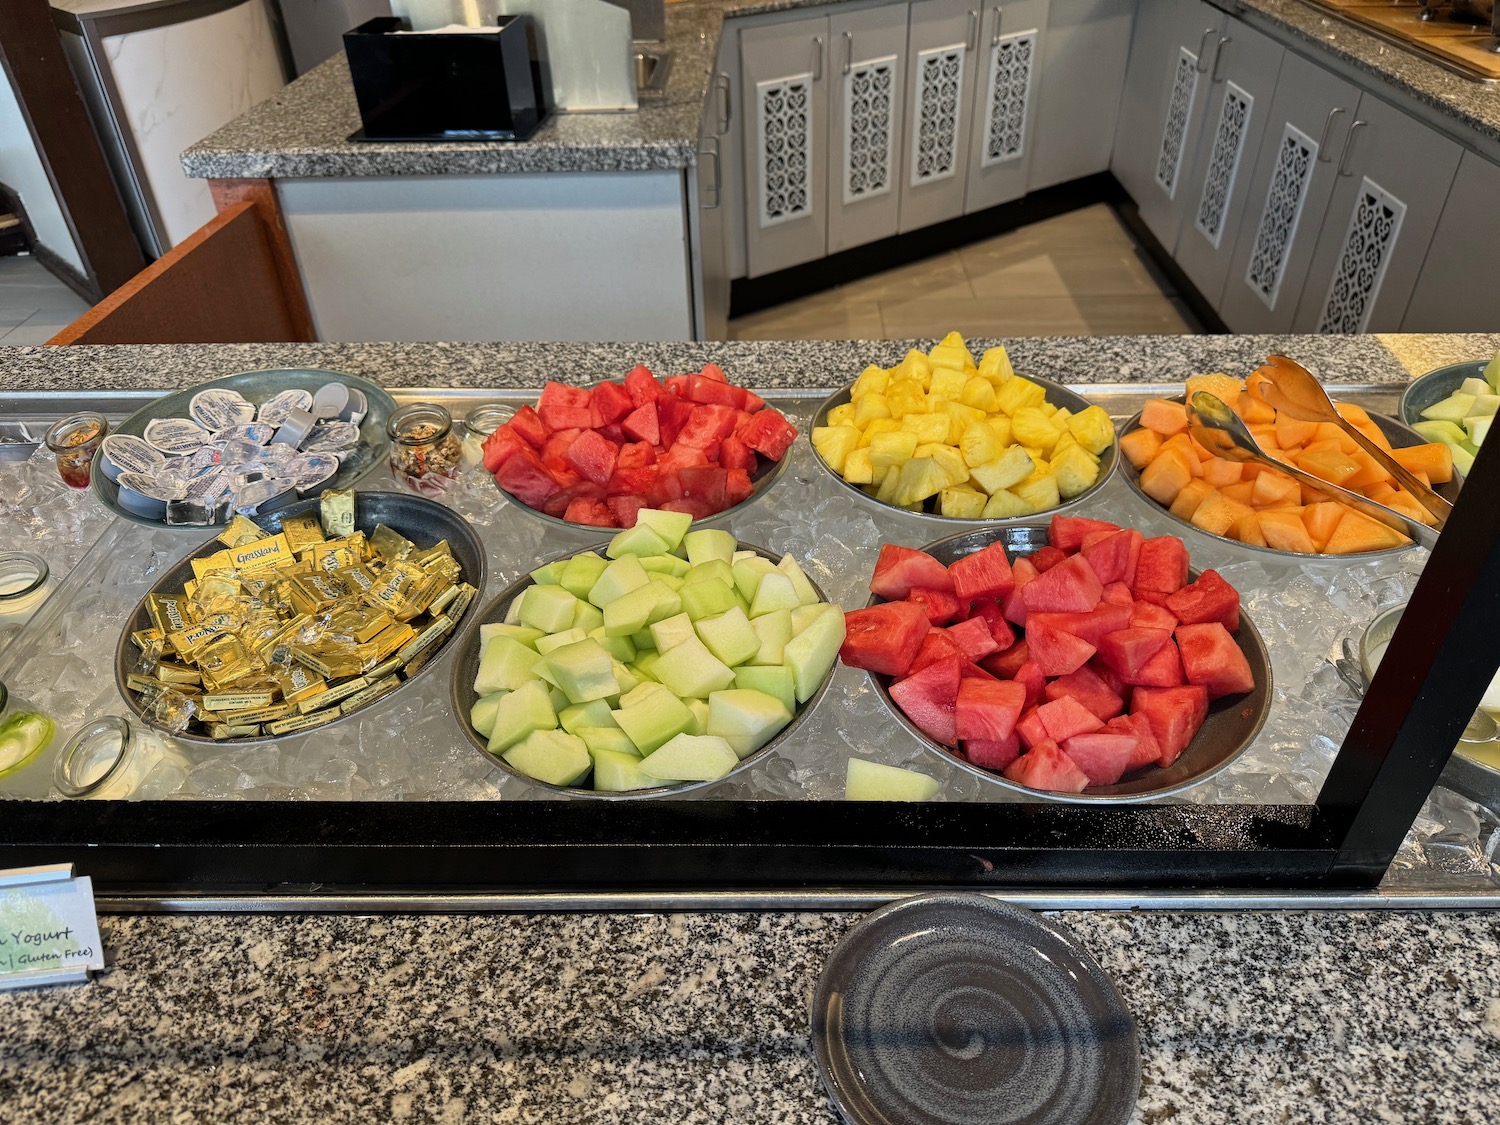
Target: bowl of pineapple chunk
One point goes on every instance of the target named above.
(945, 438)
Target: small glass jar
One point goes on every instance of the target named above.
(425, 452)
(480, 423)
(25, 583)
(25, 734)
(111, 759)
(73, 440)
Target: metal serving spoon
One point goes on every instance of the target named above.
(1296, 390)
(1220, 430)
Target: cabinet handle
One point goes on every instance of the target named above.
(971, 41)
(817, 58)
(726, 109)
(1323, 155)
(1218, 57)
(705, 151)
(848, 51)
(1349, 147)
(995, 35)
(1203, 47)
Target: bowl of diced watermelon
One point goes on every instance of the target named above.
(1078, 661)
(660, 662)
(592, 457)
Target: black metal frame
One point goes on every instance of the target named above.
(1438, 664)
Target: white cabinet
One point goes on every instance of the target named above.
(940, 93)
(867, 95)
(1242, 83)
(1393, 179)
(707, 229)
(1003, 122)
(1458, 289)
(783, 97)
(724, 102)
(1083, 61)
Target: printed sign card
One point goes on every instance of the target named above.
(49, 933)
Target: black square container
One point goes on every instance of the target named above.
(460, 86)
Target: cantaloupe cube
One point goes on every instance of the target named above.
(1381, 493)
(1321, 520)
(1285, 531)
(1165, 477)
(1165, 418)
(1265, 435)
(1221, 473)
(1370, 473)
(1329, 465)
(1434, 459)
(1226, 388)
(1189, 450)
(1193, 493)
(1357, 532)
(1140, 446)
(1247, 530)
(1293, 431)
(1409, 505)
(1256, 411)
(1350, 412)
(1240, 493)
(1273, 489)
(1218, 513)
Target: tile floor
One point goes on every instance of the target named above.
(34, 305)
(1079, 274)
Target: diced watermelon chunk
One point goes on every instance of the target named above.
(1066, 717)
(500, 445)
(1034, 680)
(1162, 671)
(1115, 555)
(1110, 677)
(592, 512)
(706, 427)
(1056, 652)
(1006, 663)
(973, 636)
(707, 484)
(1000, 628)
(525, 477)
(702, 389)
(677, 385)
(565, 408)
(1090, 627)
(609, 403)
(1045, 558)
(735, 454)
(937, 646)
(1175, 714)
(1088, 690)
(737, 486)
(988, 709)
(885, 637)
(1013, 605)
(753, 401)
(929, 698)
(1030, 728)
(592, 456)
(698, 509)
(1047, 767)
(1211, 658)
(1147, 750)
(672, 414)
(1128, 650)
(641, 424)
(1069, 587)
(993, 755)
(898, 569)
(972, 671)
(1117, 593)
(1162, 567)
(642, 386)
(1066, 532)
(770, 433)
(528, 425)
(680, 457)
(984, 574)
(1208, 599)
(557, 503)
(625, 509)
(1104, 757)
(941, 606)
(630, 482)
(714, 373)
(636, 455)
(1145, 615)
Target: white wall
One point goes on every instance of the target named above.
(21, 169)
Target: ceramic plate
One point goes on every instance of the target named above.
(960, 1009)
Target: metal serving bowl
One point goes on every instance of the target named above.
(423, 521)
(1057, 395)
(1230, 728)
(1400, 436)
(466, 667)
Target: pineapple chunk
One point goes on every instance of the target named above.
(920, 478)
(980, 394)
(927, 427)
(978, 444)
(886, 494)
(835, 443)
(1005, 506)
(1010, 468)
(1039, 493)
(879, 426)
(1002, 427)
(1058, 414)
(948, 459)
(892, 450)
(840, 415)
(870, 407)
(1093, 429)
(906, 396)
(858, 468)
(996, 362)
(871, 380)
(1074, 471)
(953, 352)
(948, 382)
(962, 503)
(1016, 393)
(1031, 427)
(915, 366)
(962, 415)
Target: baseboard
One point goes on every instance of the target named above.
(66, 273)
(1201, 308)
(748, 295)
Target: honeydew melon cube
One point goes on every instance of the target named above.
(641, 693)
(670, 581)
(775, 591)
(610, 738)
(1449, 433)
(553, 757)
(805, 615)
(690, 670)
(776, 682)
(811, 653)
(1491, 373)
(482, 714)
(621, 648)
(1475, 387)
(1479, 428)
(619, 578)
(711, 543)
(1451, 409)
(1485, 406)
(558, 697)
(581, 572)
(588, 617)
(672, 631)
(689, 757)
(874, 781)
(741, 556)
(548, 608)
(654, 721)
(747, 575)
(583, 670)
(550, 573)
(504, 665)
(665, 565)
(615, 772)
(645, 664)
(595, 713)
(549, 677)
(523, 633)
(774, 630)
(707, 571)
(705, 599)
(669, 526)
(513, 610)
(729, 635)
(643, 606)
(637, 540)
(700, 715)
(1463, 460)
(643, 640)
(625, 679)
(746, 719)
(519, 713)
(546, 644)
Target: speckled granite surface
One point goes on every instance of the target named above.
(813, 363)
(303, 130)
(703, 1018)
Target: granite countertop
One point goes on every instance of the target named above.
(303, 130)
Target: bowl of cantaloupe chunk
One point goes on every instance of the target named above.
(944, 438)
(1265, 510)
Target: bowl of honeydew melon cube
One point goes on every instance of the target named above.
(1455, 405)
(662, 661)
(949, 441)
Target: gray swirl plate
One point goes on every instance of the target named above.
(960, 1009)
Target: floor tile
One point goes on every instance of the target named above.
(942, 275)
(1036, 316)
(826, 316)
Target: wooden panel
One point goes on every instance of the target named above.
(219, 286)
(262, 193)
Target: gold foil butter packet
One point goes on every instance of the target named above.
(337, 510)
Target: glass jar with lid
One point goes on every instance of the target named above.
(113, 759)
(25, 734)
(25, 582)
(73, 440)
(425, 452)
(479, 424)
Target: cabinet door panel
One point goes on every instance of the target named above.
(1308, 121)
(1004, 118)
(1393, 181)
(867, 95)
(940, 92)
(786, 150)
(1457, 289)
(729, 129)
(1075, 119)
